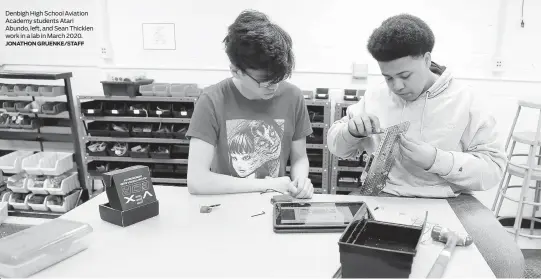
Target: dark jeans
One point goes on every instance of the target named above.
(496, 245)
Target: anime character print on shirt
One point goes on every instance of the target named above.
(255, 147)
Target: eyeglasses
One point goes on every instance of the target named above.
(266, 85)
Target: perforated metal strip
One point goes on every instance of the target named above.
(382, 161)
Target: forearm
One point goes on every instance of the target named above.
(300, 168)
(340, 141)
(210, 183)
(476, 171)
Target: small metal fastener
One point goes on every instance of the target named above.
(258, 214)
(207, 208)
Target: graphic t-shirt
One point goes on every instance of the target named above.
(252, 138)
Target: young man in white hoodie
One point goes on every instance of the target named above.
(451, 146)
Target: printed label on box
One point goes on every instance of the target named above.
(183, 113)
(129, 187)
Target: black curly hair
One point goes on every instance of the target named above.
(400, 36)
(254, 42)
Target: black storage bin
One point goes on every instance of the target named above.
(374, 249)
(99, 129)
(164, 168)
(315, 157)
(20, 106)
(123, 153)
(139, 153)
(184, 110)
(4, 120)
(29, 123)
(124, 88)
(115, 109)
(92, 108)
(54, 107)
(142, 130)
(51, 91)
(161, 109)
(180, 151)
(97, 152)
(32, 90)
(121, 130)
(162, 130)
(316, 137)
(160, 151)
(181, 170)
(180, 130)
(9, 106)
(139, 110)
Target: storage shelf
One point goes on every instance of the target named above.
(34, 75)
(318, 125)
(317, 102)
(137, 119)
(316, 170)
(315, 146)
(357, 169)
(33, 214)
(143, 140)
(140, 98)
(169, 180)
(18, 130)
(139, 160)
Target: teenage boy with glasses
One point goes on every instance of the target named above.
(249, 125)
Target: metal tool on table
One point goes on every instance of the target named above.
(451, 240)
(381, 161)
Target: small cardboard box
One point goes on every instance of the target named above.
(129, 188)
(131, 216)
(131, 196)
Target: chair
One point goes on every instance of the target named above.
(530, 171)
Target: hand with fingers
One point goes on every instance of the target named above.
(418, 152)
(364, 125)
(301, 188)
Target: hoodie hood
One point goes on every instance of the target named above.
(441, 83)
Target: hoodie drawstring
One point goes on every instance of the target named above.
(422, 113)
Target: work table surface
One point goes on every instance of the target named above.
(228, 242)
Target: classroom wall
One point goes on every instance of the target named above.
(328, 37)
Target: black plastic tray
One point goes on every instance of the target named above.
(386, 250)
(124, 88)
(159, 155)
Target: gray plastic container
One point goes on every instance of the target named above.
(29, 251)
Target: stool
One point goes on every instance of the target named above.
(531, 171)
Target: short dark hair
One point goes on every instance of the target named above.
(254, 42)
(400, 36)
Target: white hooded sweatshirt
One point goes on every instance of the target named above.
(470, 154)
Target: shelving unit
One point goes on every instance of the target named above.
(49, 109)
(345, 173)
(136, 112)
(316, 147)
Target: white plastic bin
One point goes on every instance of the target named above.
(48, 163)
(30, 164)
(12, 162)
(37, 206)
(5, 197)
(18, 183)
(25, 253)
(56, 163)
(19, 205)
(70, 202)
(67, 185)
(31, 184)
